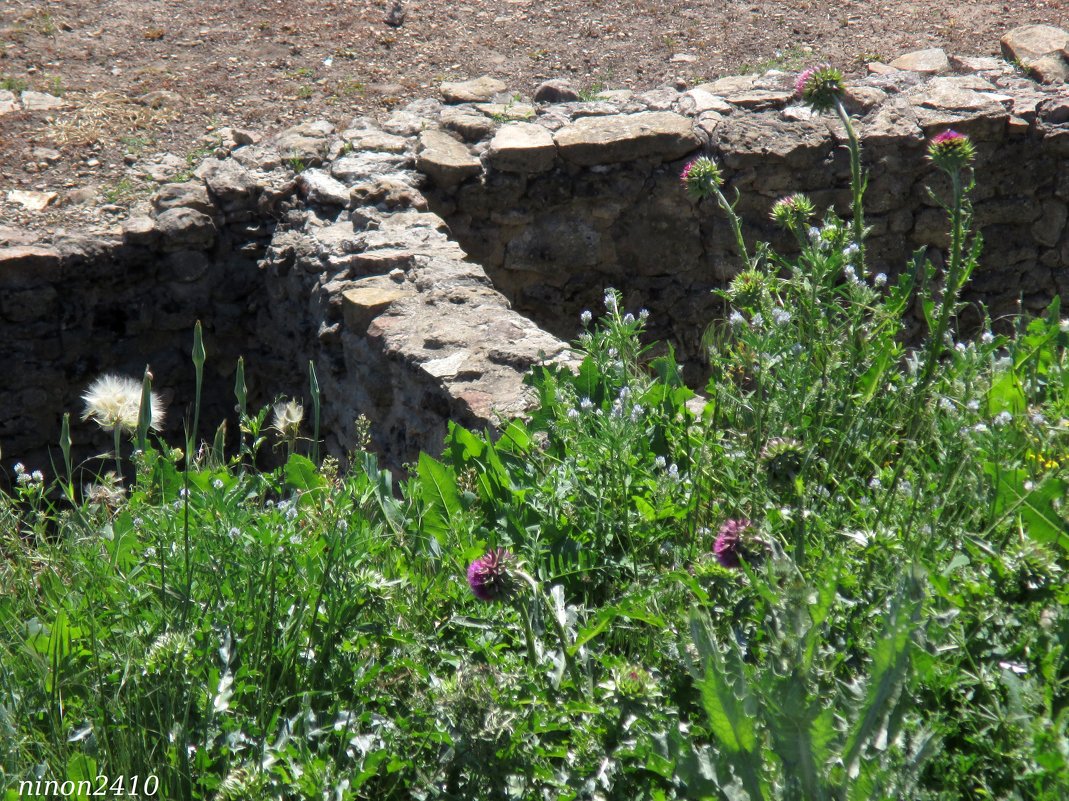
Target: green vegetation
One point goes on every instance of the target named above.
(840, 576)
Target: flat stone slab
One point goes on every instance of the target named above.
(369, 298)
(1030, 42)
(370, 139)
(445, 159)
(931, 61)
(522, 147)
(478, 90)
(8, 103)
(42, 101)
(663, 135)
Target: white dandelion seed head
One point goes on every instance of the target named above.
(287, 417)
(114, 401)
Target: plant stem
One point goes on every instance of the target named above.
(736, 227)
(857, 180)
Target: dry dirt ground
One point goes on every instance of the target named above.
(266, 65)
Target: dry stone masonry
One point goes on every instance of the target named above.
(426, 260)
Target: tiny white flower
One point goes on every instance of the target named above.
(586, 404)
(1038, 419)
(636, 413)
(736, 320)
(875, 483)
(980, 428)
(343, 525)
(973, 405)
(138, 522)
(234, 532)
(673, 471)
(643, 314)
(660, 462)
(182, 493)
(814, 233)
(781, 316)
(987, 337)
(879, 279)
(629, 318)
(850, 250)
(218, 483)
(1003, 418)
(37, 476)
(946, 404)
(757, 320)
(573, 414)
(20, 468)
(610, 300)
(613, 353)
(1029, 486)
(23, 478)
(586, 317)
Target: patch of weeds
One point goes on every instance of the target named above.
(304, 92)
(790, 60)
(592, 92)
(193, 158)
(669, 41)
(300, 72)
(350, 87)
(124, 191)
(55, 86)
(296, 163)
(135, 144)
(12, 84)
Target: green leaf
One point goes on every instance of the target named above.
(890, 665)
(301, 474)
(438, 488)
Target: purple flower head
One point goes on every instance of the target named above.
(951, 151)
(489, 577)
(729, 546)
(820, 87)
(701, 177)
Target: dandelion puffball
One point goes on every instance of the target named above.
(114, 401)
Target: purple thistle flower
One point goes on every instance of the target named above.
(820, 87)
(701, 177)
(489, 577)
(728, 546)
(951, 151)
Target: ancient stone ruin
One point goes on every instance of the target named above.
(425, 261)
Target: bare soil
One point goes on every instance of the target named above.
(266, 65)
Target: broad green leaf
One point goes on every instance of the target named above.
(438, 488)
(301, 474)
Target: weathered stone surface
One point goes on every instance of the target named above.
(163, 168)
(507, 112)
(34, 201)
(1030, 42)
(8, 103)
(1048, 228)
(42, 101)
(861, 100)
(946, 101)
(557, 90)
(362, 166)
(732, 84)
(193, 195)
(185, 229)
(140, 231)
(931, 61)
(607, 140)
(369, 298)
(663, 99)
(445, 159)
(316, 186)
(1049, 69)
(751, 141)
(522, 147)
(362, 140)
(388, 193)
(466, 121)
(307, 143)
(760, 99)
(229, 182)
(698, 101)
(478, 90)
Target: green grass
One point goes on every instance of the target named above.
(841, 576)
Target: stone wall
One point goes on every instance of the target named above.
(580, 195)
(424, 261)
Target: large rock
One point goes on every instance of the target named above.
(967, 100)
(185, 229)
(1030, 42)
(472, 125)
(445, 160)
(557, 90)
(187, 195)
(228, 181)
(931, 61)
(522, 147)
(478, 90)
(661, 135)
(41, 101)
(388, 193)
(373, 139)
(26, 266)
(307, 143)
(316, 186)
